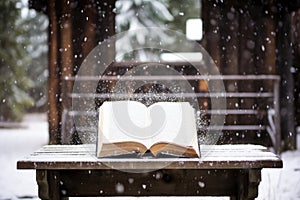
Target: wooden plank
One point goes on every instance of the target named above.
(295, 21)
(213, 157)
(156, 183)
(215, 112)
(211, 17)
(233, 111)
(147, 95)
(175, 77)
(283, 62)
(53, 80)
(238, 127)
(229, 29)
(66, 64)
(172, 77)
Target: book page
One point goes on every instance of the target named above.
(180, 125)
(122, 121)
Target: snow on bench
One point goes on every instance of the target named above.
(223, 170)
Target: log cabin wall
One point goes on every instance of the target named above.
(247, 37)
(296, 60)
(253, 37)
(238, 32)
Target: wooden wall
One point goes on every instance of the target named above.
(254, 37)
(296, 60)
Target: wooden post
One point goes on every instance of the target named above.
(270, 42)
(262, 60)
(211, 19)
(54, 105)
(89, 40)
(284, 64)
(229, 54)
(296, 60)
(66, 61)
(211, 28)
(246, 58)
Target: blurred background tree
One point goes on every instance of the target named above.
(22, 66)
(137, 14)
(35, 25)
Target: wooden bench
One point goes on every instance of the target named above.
(64, 171)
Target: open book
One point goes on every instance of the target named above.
(162, 129)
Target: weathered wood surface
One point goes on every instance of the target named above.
(212, 157)
(242, 184)
(223, 170)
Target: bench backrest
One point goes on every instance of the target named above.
(251, 113)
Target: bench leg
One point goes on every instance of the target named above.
(248, 184)
(48, 182)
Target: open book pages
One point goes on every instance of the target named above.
(162, 128)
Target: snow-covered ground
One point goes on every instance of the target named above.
(277, 184)
(14, 144)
